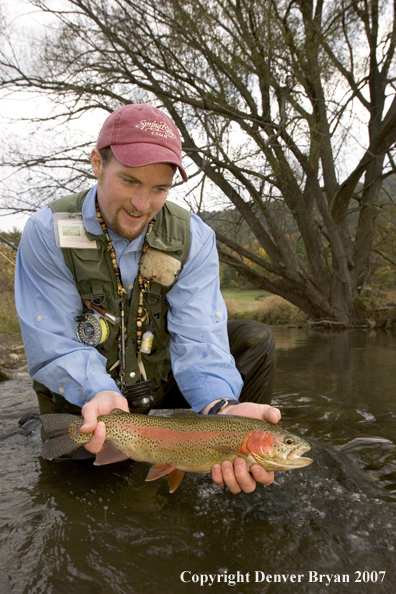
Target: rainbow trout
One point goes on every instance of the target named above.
(178, 444)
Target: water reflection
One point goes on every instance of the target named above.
(71, 527)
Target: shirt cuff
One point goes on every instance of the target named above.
(94, 385)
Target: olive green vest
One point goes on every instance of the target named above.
(95, 279)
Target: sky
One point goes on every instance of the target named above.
(24, 105)
(19, 13)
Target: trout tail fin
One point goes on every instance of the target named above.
(59, 442)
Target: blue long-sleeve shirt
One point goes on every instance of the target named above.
(47, 303)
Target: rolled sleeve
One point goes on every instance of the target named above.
(197, 321)
(47, 302)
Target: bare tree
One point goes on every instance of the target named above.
(284, 106)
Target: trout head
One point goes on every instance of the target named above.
(276, 451)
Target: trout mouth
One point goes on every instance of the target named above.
(295, 459)
(286, 460)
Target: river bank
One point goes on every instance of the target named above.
(12, 356)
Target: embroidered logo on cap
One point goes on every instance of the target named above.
(156, 128)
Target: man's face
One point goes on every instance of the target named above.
(129, 197)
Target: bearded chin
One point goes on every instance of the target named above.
(124, 232)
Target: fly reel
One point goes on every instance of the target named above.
(92, 330)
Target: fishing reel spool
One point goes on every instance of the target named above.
(92, 329)
(140, 396)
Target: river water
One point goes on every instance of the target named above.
(72, 528)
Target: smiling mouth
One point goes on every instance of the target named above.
(134, 215)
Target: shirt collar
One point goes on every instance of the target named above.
(91, 223)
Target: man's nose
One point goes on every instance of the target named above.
(141, 199)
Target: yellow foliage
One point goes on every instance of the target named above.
(7, 268)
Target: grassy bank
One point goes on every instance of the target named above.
(261, 306)
(8, 318)
(248, 305)
(243, 304)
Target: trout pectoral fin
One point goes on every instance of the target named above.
(227, 450)
(174, 479)
(159, 470)
(109, 454)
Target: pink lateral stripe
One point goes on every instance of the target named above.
(172, 435)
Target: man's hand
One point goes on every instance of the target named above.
(236, 476)
(101, 404)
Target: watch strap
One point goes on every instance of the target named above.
(218, 406)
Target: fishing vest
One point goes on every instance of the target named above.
(95, 280)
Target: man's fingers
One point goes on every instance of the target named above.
(96, 443)
(234, 476)
(273, 415)
(254, 410)
(237, 478)
(229, 477)
(244, 479)
(217, 475)
(90, 413)
(261, 475)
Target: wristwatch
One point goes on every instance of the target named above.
(218, 406)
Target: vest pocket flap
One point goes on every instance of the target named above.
(164, 244)
(88, 269)
(88, 255)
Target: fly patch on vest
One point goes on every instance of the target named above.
(159, 267)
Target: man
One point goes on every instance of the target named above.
(151, 270)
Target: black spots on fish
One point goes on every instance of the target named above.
(55, 425)
(63, 432)
(56, 447)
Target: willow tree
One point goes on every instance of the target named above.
(287, 107)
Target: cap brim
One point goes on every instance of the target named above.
(141, 154)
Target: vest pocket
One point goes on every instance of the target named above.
(158, 365)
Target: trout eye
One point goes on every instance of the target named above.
(289, 441)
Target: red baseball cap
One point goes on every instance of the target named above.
(141, 134)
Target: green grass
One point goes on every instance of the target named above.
(243, 296)
(261, 306)
(8, 317)
(244, 299)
